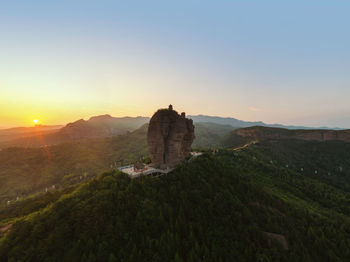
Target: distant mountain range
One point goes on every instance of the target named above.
(95, 127)
(209, 128)
(102, 126)
(19, 132)
(240, 123)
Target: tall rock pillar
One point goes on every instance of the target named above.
(169, 137)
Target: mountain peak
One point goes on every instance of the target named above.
(101, 117)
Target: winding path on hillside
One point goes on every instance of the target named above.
(244, 146)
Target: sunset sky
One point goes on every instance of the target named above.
(272, 61)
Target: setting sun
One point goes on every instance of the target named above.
(36, 121)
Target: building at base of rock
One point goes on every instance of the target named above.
(139, 166)
(169, 137)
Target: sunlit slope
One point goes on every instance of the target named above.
(28, 170)
(20, 132)
(96, 127)
(25, 170)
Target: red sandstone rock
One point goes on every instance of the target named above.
(169, 137)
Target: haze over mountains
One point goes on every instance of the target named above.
(108, 126)
(240, 123)
(18, 132)
(95, 127)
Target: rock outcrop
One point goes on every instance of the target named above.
(268, 133)
(169, 137)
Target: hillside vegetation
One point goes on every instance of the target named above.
(28, 170)
(209, 135)
(326, 161)
(268, 133)
(235, 205)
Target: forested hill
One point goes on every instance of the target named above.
(231, 206)
(24, 171)
(269, 133)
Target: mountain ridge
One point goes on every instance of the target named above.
(241, 123)
(272, 133)
(107, 126)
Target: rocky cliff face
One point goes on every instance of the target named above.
(265, 133)
(169, 137)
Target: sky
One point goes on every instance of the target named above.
(274, 61)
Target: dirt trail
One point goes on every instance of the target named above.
(4, 229)
(244, 146)
(241, 147)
